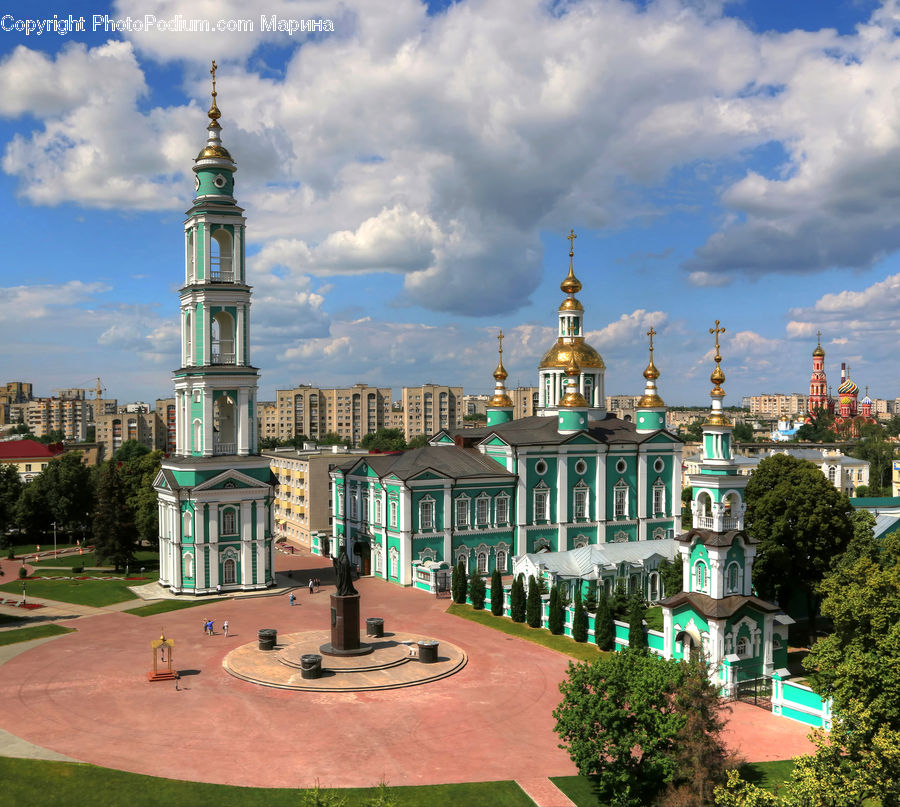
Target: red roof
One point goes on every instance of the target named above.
(28, 449)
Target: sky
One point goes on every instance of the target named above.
(409, 179)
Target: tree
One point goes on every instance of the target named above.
(130, 450)
(533, 604)
(618, 603)
(604, 627)
(51, 437)
(418, 441)
(333, 439)
(114, 532)
(590, 598)
(462, 584)
(555, 623)
(672, 576)
(517, 599)
(802, 523)
(477, 592)
(496, 593)
(137, 477)
(579, 617)
(10, 491)
(637, 638)
(62, 493)
(454, 584)
(874, 447)
(384, 439)
(620, 720)
(743, 432)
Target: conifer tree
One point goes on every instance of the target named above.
(533, 604)
(637, 639)
(579, 617)
(496, 593)
(454, 584)
(477, 591)
(555, 617)
(517, 599)
(604, 629)
(462, 584)
(114, 532)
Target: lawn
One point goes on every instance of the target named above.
(30, 549)
(97, 593)
(164, 606)
(36, 783)
(147, 559)
(765, 774)
(586, 651)
(36, 632)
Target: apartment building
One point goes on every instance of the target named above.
(267, 420)
(778, 405)
(165, 413)
(147, 428)
(525, 402)
(431, 407)
(350, 412)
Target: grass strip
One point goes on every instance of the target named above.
(38, 783)
(36, 632)
(164, 606)
(96, 593)
(768, 775)
(586, 651)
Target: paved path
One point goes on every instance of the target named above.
(544, 793)
(85, 695)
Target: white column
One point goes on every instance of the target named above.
(207, 332)
(206, 253)
(179, 423)
(642, 496)
(243, 421)
(261, 544)
(667, 632)
(600, 493)
(237, 263)
(676, 491)
(239, 356)
(208, 433)
(246, 546)
(522, 494)
(562, 501)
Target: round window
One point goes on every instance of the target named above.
(219, 181)
(540, 467)
(659, 465)
(621, 466)
(580, 467)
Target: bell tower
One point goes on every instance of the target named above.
(215, 492)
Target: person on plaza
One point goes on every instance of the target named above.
(206, 625)
(292, 598)
(310, 585)
(218, 589)
(225, 627)
(212, 630)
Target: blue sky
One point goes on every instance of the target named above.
(409, 180)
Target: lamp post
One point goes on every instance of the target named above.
(54, 540)
(23, 594)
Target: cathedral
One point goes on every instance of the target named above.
(216, 491)
(569, 478)
(848, 411)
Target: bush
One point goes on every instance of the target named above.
(77, 569)
(590, 599)
(496, 593)
(477, 592)
(604, 629)
(11, 555)
(533, 604)
(555, 623)
(579, 618)
(517, 599)
(23, 572)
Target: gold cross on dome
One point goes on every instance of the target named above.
(651, 333)
(571, 237)
(213, 73)
(500, 340)
(717, 330)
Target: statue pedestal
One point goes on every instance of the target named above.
(345, 628)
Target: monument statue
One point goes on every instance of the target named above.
(342, 571)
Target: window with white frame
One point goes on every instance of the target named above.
(581, 502)
(580, 541)
(542, 503)
(482, 563)
(229, 571)
(340, 501)
(188, 565)
(733, 578)
(701, 578)
(621, 537)
(658, 534)
(364, 508)
(392, 511)
(353, 504)
(653, 587)
(620, 500)
(426, 514)
(743, 647)
(659, 497)
(501, 511)
(462, 511)
(188, 525)
(482, 510)
(501, 560)
(378, 510)
(394, 562)
(229, 521)
(462, 556)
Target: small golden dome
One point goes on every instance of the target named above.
(562, 352)
(718, 375)
(500, 400)
(571, 304)
(500, 373)
(650, 400)
(571, 285)
(214, 152)
(717, 419)
(651, 373)
(573, 398)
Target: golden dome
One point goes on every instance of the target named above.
(571, 304)
(819, 351)
(573, 398)
(214, 152)
(651, 373)
(717, 419)
(562, 352)
(571, 285)
(651, 400)
(500, 399)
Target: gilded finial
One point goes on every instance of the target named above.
(214, 113)
(501, 397)
(571, 285)
(651, 395)
(500, 373)
(651, 372)
(573, 396)
(819, 351)
(718, 376)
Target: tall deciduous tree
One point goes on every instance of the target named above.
(496, 593)
(384, 439)
(533, 603)
(114, 532)
(137, 477)
(10, 491)
(802, 523)
(620, 720)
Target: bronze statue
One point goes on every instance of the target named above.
(342, 572)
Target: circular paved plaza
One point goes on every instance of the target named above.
(86, 695)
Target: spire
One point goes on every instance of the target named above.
(819, 350)
(651, 395)
(716, 418)
(214, 149)
(571, 285)
(501, 397)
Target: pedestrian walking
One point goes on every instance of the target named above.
(218, 589)
(206, 625)
(212, 631)
(225, 627)
(292, 598)
(310, 585)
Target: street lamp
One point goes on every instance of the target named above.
(23, 594)
(54, 540)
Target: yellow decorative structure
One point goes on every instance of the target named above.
(214, 148)
(162, 644)
(573, 398)
(651, 395)
(501, 397)
(716, 417)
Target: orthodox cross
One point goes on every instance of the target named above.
(571, 238)
(717, 330)
(651, 333)
(213, 73)
(500, 340)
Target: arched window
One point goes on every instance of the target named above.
(198, 436)
(220, 249)
(225, 411)
(482, 563)
(378, 510)
(501, 560)
(581, 502)
(501, 509)
(222, 338)
(580, 541)
(187, 525)
(743, 647)
(704, 504)
(229, 571)
(620, 500)
(190, 256)
(188, 565)
(700, 576)
(733, 578)
(229, 521)
(541, 503)
(188, 339)
(482, 510)
(394, 561)
(659, 498)
(392, 510)
(426, 513)
(462, 511)
(653, 587)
